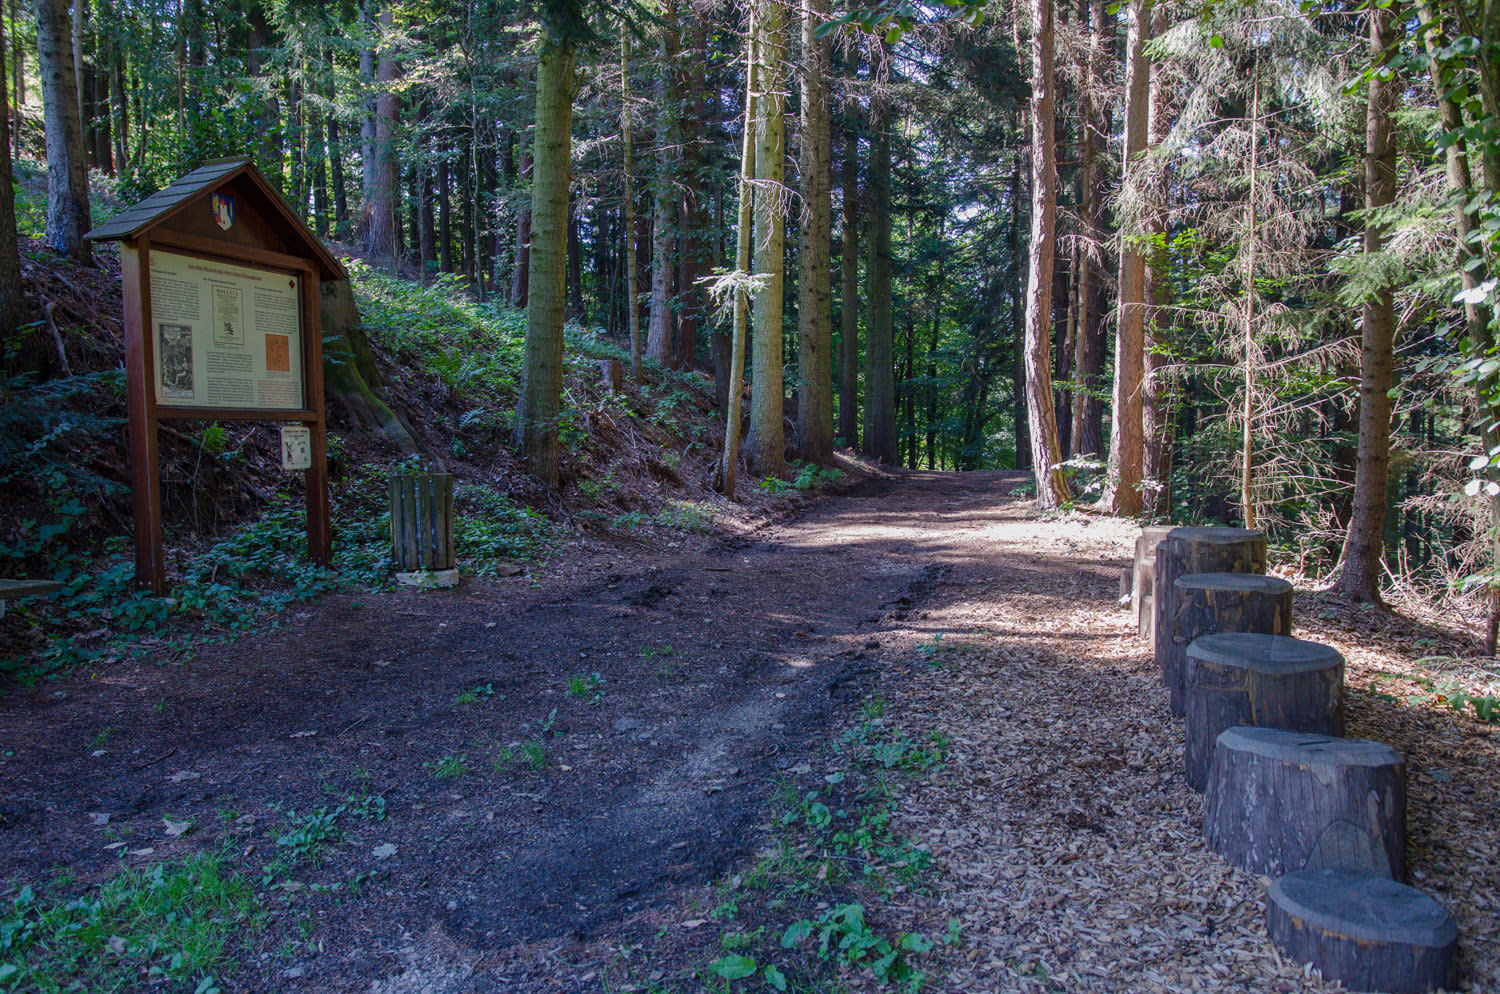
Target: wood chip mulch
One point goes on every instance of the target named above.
(1070, 846)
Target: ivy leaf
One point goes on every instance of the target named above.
(733, 967)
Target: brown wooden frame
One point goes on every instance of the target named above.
(146, 412)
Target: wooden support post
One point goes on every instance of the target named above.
(315, 477)
(140, 401)
(1143, 579)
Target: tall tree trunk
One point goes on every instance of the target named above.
(849, 295)
(29, 354)
(765, 445)
(67, 170)
(541, 374)
(1122, 493)
(691, 217)
(1046, 454)
(380, 196)
(336, 170)
(1156, 418)
(632, 289)
(815, 309)
(521, 274)
(445, 218)
(1088, 408)
(730, 464)
(1019, 417)
(1364, 546)
(659, 338)
(880, 440)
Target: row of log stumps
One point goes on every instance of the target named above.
(1285, 794)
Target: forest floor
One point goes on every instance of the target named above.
(635, 767)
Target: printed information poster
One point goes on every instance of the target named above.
(226, 335)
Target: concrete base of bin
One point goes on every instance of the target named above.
(440, 579)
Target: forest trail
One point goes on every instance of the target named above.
(540, 783)
(560, 758)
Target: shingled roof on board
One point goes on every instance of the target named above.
(135, 219)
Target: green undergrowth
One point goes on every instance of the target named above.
(808, 914)
(245, 578)
(180, 924)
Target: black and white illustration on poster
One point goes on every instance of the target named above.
(175, 358)
(229, 324)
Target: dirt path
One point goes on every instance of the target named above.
(565, 763)
(556, 759)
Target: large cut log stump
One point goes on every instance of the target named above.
(1198, 550)
(1143, 578)
(1221, 602)
(1370, 933)
(1283, 801)
(1272, 681)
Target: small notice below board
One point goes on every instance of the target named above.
(227, 336)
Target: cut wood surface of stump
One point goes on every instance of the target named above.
(1143, 578)
(1198, 550)
(1207, 603)
(1271, 681)
(1370, 933)
(1282, 801)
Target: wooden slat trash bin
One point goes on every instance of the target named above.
(1282, 801)
(1198, 550)
(1270, 681)
(1207, 603)
(422, 528)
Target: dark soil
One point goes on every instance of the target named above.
(701, 673)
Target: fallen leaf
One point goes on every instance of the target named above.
(304, 735)
(98, 817)
(176, 828)
(182, 775)
(383, 851)
(694, 922)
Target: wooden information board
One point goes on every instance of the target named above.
(221, 288)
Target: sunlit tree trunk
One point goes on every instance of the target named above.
(541, 374)
(67, 170)
(1088, 408)
(815, 310)
(765, 445)
(730, 464)
(1046, 454)
(1364, 546)
(659, 338)
(1156, 415)
(1122, 493)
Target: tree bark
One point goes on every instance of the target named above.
(380, 195)
(1156, 397)
(765, 446)
(730, 464)
(29, 355)
(541, 375)
(1364, 545)
(1122, 494)
(1046, 454)
(67, 170)
(815, 309)
(880, 440)
(660, 338)
(632, 290)
(849, 295)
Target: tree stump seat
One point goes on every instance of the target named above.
(1271, 681)
(1282, 801)
(1187, 550)
(1143, 578)
(1370, 933)
(1207, 603)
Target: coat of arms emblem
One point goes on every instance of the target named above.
(223, 207)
